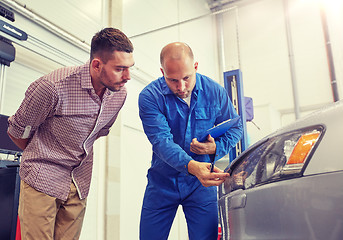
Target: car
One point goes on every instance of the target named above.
(288, 185)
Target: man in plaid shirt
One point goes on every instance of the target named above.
(61, 116)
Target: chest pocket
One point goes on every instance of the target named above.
(205, 119)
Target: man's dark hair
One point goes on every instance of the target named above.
(108, 40)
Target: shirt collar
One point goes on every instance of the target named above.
(86, 80)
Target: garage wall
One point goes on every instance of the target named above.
(151, 25)
(256, 42)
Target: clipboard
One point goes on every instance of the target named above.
(220, 129)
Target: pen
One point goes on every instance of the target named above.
(212, 165)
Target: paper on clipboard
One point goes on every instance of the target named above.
(220, 129)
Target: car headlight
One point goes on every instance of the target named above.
(277, 157)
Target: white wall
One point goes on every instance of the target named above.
(136, 154)
(155, 25)
(256, 42)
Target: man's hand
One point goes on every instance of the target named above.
(21, 143)
(207, 178)
(201, 148)
(239, 178)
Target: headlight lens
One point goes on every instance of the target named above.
(278, 157)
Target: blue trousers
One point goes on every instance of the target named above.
(201, 216)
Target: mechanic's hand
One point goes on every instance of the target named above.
(207, 178)
(201, 148)
(239, 178)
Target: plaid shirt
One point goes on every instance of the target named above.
(62, 116)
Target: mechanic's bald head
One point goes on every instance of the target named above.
(176, 51)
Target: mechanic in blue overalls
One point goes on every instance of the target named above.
(175, 110)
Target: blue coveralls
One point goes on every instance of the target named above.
(170, 125)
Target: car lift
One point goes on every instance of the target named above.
(234, 86)
(243, 105)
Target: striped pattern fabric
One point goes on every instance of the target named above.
(63, 116)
